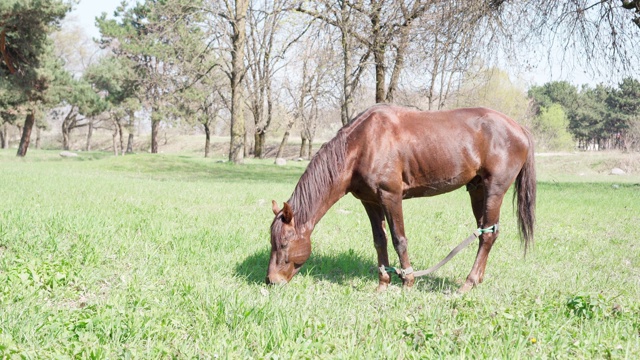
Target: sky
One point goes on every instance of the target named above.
(86, 11)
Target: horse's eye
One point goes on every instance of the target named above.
(284, 241)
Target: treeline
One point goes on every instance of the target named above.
(587, 118)
(247, 68)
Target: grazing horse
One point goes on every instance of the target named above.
(390, 153)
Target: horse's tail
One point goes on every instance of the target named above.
(525, 193)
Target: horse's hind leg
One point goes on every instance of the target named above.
(376, 217)
(475, 188)
(486, 203)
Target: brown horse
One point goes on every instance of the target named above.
(390, 153)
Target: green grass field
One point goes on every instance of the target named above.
(165, 256)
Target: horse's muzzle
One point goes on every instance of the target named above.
(276, 280)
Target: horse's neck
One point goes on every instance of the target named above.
(310, 208)
(323, 183)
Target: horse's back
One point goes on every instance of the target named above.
(440, 130)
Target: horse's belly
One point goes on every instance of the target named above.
(430, 185)
(433, 190)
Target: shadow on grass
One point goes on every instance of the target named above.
(339, 269)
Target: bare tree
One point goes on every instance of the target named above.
(71, 120)
(233, 16)
(308, 88)
(598, 36)
(316, 90)
(76, 49)
(270, 36)
(381, 27)
(264, 23)
(447, 47)
(343, 17)
(200, 105)
(117, 132)
(285, 138)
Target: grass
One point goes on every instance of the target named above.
(165, 257)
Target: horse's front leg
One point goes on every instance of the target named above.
(392, 204)
(376, 217)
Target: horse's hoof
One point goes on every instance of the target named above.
(465, 288)
(408, 281)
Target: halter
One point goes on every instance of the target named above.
(402, 273)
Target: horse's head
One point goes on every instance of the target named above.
(290, 247)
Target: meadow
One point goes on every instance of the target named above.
(165, 256)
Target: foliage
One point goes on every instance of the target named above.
(153, 39)
(27, 64)
(10, 100)
(24, 28)
(624, 119)
(600, 116)
(586, 306)
(588, 120)
(27, 67)
(550, 129)
(492, 88)
(74, 46)
(555, 92)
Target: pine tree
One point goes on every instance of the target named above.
(27, 66)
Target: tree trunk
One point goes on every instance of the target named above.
(379, 60)
(130, 144)
(285, 138)
(263, 130)
(207, 141)
(399, 62)
(65, 138)
(89, 135)
(247, 145)
(303, 147)
(155, 130)
(236, 146)
(7, 137)
(3, 137)
(121, 138)
(114, 138)
(378, 52)
(66, 128)
(310, 148)
(348, 83)
(130, 128)
(403, 43)
(26, 134)
(38, 133)
(345, 108)
(259, 140)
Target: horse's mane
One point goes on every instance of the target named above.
(323, 170)
(321, 173)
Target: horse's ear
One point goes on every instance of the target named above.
(287, 213)
(274, 207)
